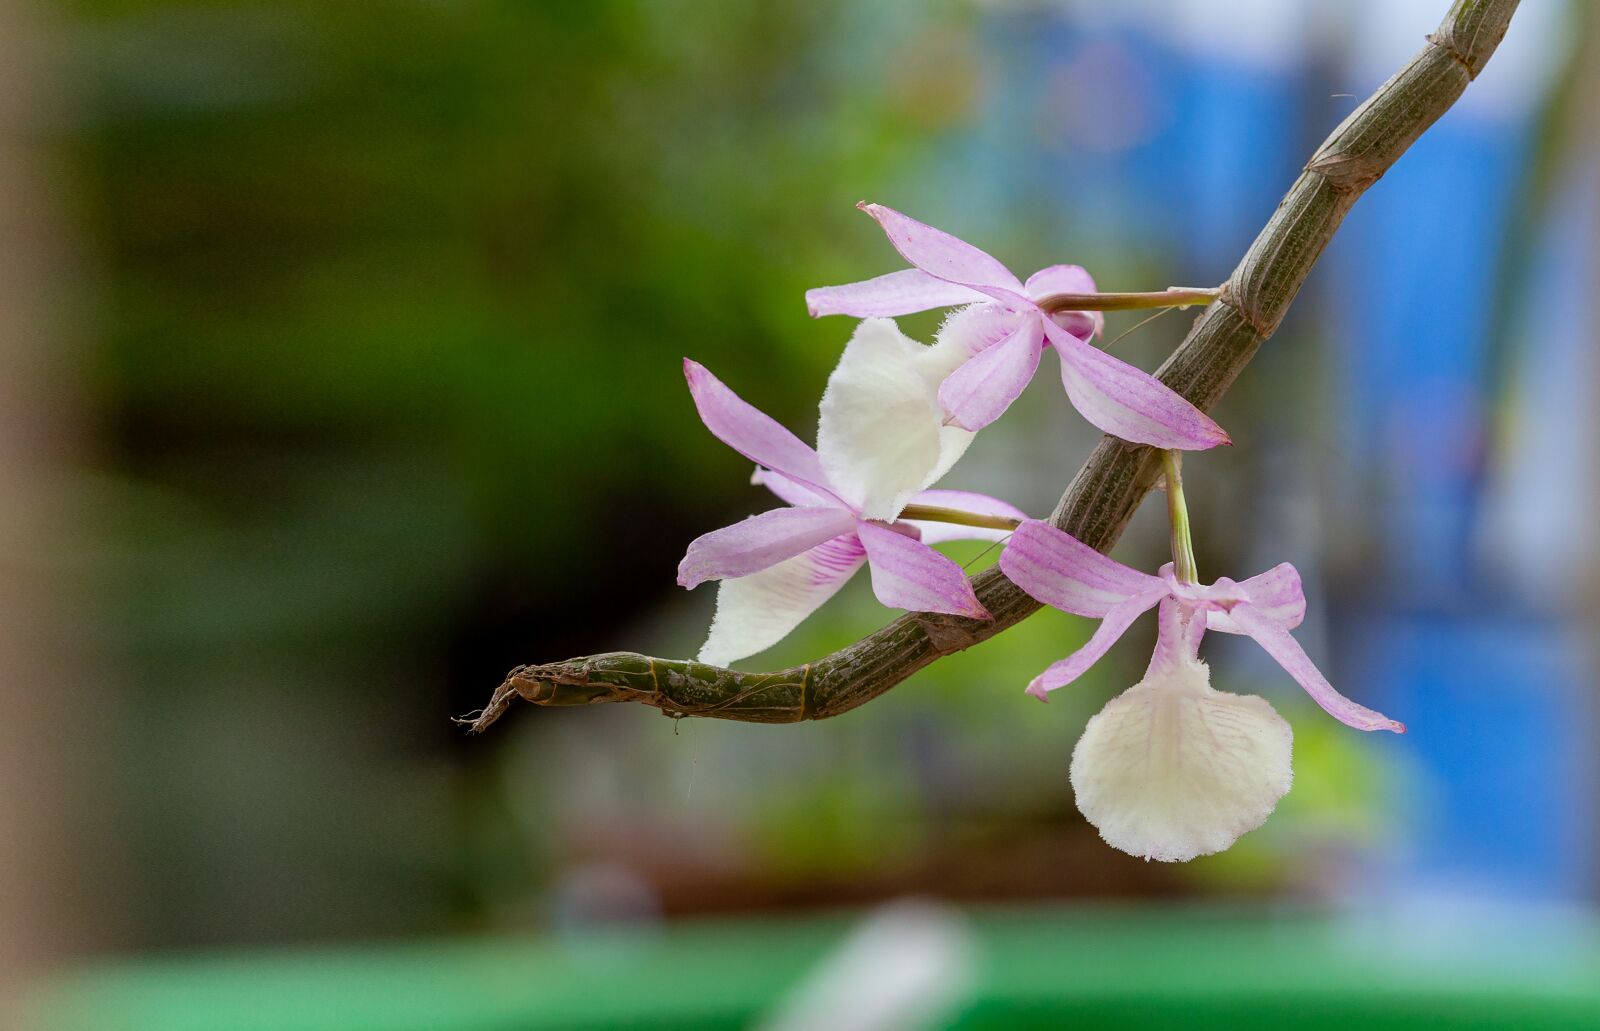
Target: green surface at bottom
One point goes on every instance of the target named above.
(1123, 968)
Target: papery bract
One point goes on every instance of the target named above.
(779, 566)
(997, 342)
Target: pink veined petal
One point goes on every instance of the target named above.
(907, 574)
(756, 612)
(966, 333)
(1113, 625)
(1058, 569)
(750, 431)
(981, 390)
(946, 257)
(898, 293)
(792, 491)
(1059, 279)
(1068, 279)
(1178, 636)
(1276, 594)
(1282, 646)
(965, 501)
(753, 544)
(1127, 402)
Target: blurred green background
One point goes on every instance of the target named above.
(364, 388)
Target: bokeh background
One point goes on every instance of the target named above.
(341, 349)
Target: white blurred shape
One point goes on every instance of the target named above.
(908, 965)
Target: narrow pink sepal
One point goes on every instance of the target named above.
(946, 257)
(907, 574)
(980, 391)
(1127, 402)
(759, 542)
(1114, 624)
(1281, 645)
(965, 501)
(750, 431)
(790, 490)
(1058, 569)
(898, 293)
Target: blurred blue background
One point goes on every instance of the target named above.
(344, 346)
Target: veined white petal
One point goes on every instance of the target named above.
(756, 612)
(879, 434)
(1172, 769)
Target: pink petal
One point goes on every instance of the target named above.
(1178, 636)
(944, 256)
(1068, 279)
(792, 491)
(756, 612)
(1115, 623)
(758, 542)
(965, 501)
(966, 333)
(898, 293)
(1282, 646)
(907, 574)
(1058, 569)
(750, 431)
(982, 389)
(1276, 594)
(1059, 279)
(1128, 403)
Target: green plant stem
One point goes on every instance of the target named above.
(1108, 488)
(1178, 518)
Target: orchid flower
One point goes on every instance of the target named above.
(844, 498)
(1172, 768)
(994, 345)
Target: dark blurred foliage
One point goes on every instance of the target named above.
(389, 304)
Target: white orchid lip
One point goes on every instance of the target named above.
(1173, 769)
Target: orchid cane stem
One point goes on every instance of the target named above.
(1111, 484)
(940, 514)
(1178, 516)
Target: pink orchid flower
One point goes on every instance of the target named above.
(996, 344)
(779, 566)
(1172, 768)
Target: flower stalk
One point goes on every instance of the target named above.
(1171, 297)
(1178, 516)
(940, 514)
